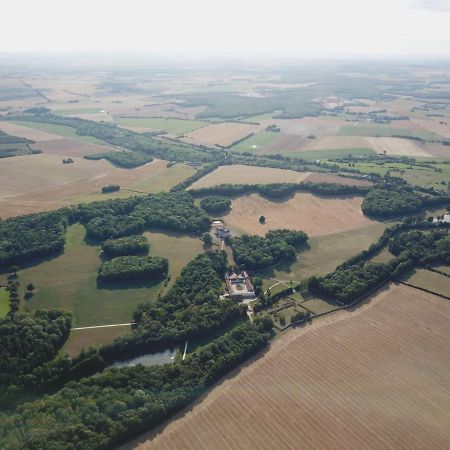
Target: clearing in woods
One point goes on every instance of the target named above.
(4, 302)
(313, 214)
(374, 377)
(248, 175)
(69, 282)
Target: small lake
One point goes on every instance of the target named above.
(149, 359)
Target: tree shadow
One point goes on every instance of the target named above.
(128, 284)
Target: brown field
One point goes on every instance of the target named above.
(27, 133)
(317, 177)
(336, 142)
(315, 215)
(373, 378)
(284, 143)
(70, 147)
(249, 175)
(396, 146)
(437, 150)
(432, 124)
(166, 110)
(41, 182)
(223, 134)
(320, 126)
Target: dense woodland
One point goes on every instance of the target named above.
(256, 252)
(148, 268)
(215, 204)
(127, 160)
(129, 245)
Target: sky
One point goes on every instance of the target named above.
(312, 28)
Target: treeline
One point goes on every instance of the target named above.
(27, 341)
(199, 173)
(8, 139)
(279, 190)
(24, 238)
(133, 268)
(215, 204)
(256, 252)
(127, 160)
(395, 200)
(108, 409)
(123, 138)
(129, 245)
(351, 281)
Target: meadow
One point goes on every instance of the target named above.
(431, 281)
(384, 360)
(4, 302)
(69, 282)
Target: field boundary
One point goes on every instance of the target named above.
(425, 290)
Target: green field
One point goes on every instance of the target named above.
(325, 253)
(265, 116)
(171, 126)
(69, 281)
(254, 142)
(432, 281)
(386, 131)
(4, 302)
(61, 130)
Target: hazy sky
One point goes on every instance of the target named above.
(321, 28)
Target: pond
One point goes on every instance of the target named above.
(149, 359)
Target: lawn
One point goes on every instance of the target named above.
(4, 302)
(61, 130)
(386, 131)
(171, 126)
(254, 142)
(69, 282)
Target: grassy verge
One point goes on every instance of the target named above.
(4, 302)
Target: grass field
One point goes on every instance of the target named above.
(254, 142)
(332, 153)
(4, 302)
(69, 282)
(171, 126)
(248, 175)
(432, 281)
(325, 253)
(303, 211)
(60, 130)
(374, 378)
(77, 111)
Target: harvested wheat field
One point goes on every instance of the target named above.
(313, 214)
(396, 146)
(373, 378)
(70, 147)
(27, 133)
(317, 177)
(224, 134)
(26, 185)
(248, 175)
(319, 126)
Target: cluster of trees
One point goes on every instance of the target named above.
(215, 204)
(8, 139)
(133, 268)
(279, 190)
(392, 201)
(129, 245)
(127, 160)
(110, 188)
(256, 252)
(27, 341)
(350, 281)
(12, 287)
(105, 410)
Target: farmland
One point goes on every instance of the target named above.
(69, 282)
(383, 367)
(170, 126)
(431, 281)
(248, 175)
(304, 212)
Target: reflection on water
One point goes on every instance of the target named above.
(150, 359)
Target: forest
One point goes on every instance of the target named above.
(121, 268)
(256, 252)
(215, 204)
(129, 245)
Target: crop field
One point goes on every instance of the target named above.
(432, 281)
(445, 269)
(310, 213)
(41, 182)
(69, 282)
(383, 370)
(223, 134)
(324, 253)
(319, 126)
(386, 131)
(170, 126)
(396, 146)
(317, 177)
(22, 131)
(248, 175)
(70, 147)
(256, 143)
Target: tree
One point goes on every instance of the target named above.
(262, 219)
(207, 238)
(31, 287)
